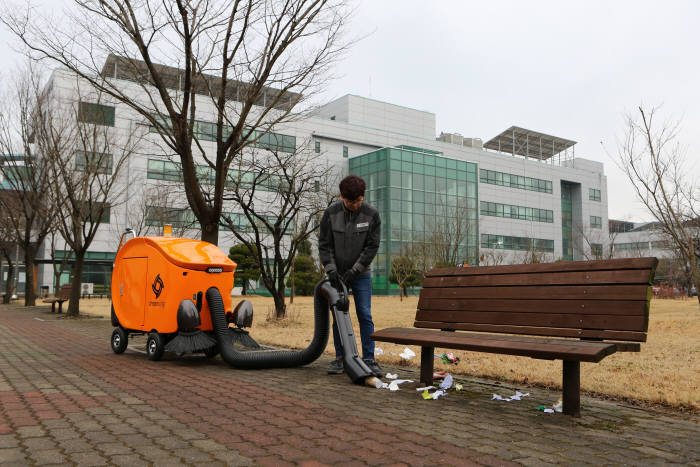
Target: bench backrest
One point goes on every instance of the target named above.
(64, 292)
(607, 299)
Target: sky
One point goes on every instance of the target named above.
(571, 69)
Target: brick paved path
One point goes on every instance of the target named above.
(65, 398)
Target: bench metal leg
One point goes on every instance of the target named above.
(572, 388)
(426, 365)
(53, 307)
(60, 307)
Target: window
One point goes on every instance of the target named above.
(317, 147)
(502, 242)
(631, 246)
(317, 186)
(345, 152)
(96, 113)
(597, 250)
(594, 194)
(515, 181)
(157, 216)
(94, 209)
(93, 162)
(517, 212)
(164, 170)
(596, 222)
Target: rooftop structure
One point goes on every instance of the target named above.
(531, 144)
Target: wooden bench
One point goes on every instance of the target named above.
(61, 296)
(578, 311)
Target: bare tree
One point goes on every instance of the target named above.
(254, 62)
(279, 196)
(85, 159)
(449, 235)
(7, 247)
(156, 206)
(653, 161)
(593, 243)
(26, 203)
(492, 258)
(404, 271)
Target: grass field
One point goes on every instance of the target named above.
(666, 372)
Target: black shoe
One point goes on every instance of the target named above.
(374, 368)
(336, 367)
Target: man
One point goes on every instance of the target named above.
(349, 240)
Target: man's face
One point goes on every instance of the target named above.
(353, 205)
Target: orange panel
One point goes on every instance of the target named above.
(132, 294)
(169, 270)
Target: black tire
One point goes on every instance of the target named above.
(211, 352)
(155, 346)
(113, 317)
(119, 340)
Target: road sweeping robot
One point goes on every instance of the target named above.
(178, 292)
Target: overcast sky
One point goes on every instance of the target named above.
(570, 69)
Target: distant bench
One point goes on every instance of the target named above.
(61, 296)
(602, 305)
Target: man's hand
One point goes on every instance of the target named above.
(350, 276)
(334, 277)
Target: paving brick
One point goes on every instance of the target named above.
(51, 456)
(11, 455)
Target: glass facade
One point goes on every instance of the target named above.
(414, 190)
(516, 212)
(515, 181)
(567, 221)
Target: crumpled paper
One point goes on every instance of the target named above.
(407, 354)
(447, 382)
(515, 397)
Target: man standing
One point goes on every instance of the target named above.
(349, 240)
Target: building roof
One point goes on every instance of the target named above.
(528, 143)
(132, 69)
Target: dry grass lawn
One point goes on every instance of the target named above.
(666, 372)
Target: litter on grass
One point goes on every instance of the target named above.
(515, 397)
(449, 358)
(407, 354)
(378, 351)
(458, 387)
(447, 382)
(425, 388)
(392, 375)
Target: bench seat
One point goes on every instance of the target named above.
(571, 311)
(535, 347)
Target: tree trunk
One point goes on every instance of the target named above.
(245, 286)
(29, 286)
(210, 233)
(9, 281)
(74, 303)
(280, 306)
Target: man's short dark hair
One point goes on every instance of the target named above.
(352, 187)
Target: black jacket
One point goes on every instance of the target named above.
(349, 239)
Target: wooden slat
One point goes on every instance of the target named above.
(545, 319)
(563, 266)
(588, 292)
(626, 276)
(537, 331)
(549, 349)
(606, 307)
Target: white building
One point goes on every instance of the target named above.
(523, 191)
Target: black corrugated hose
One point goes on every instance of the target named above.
(324, 295)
